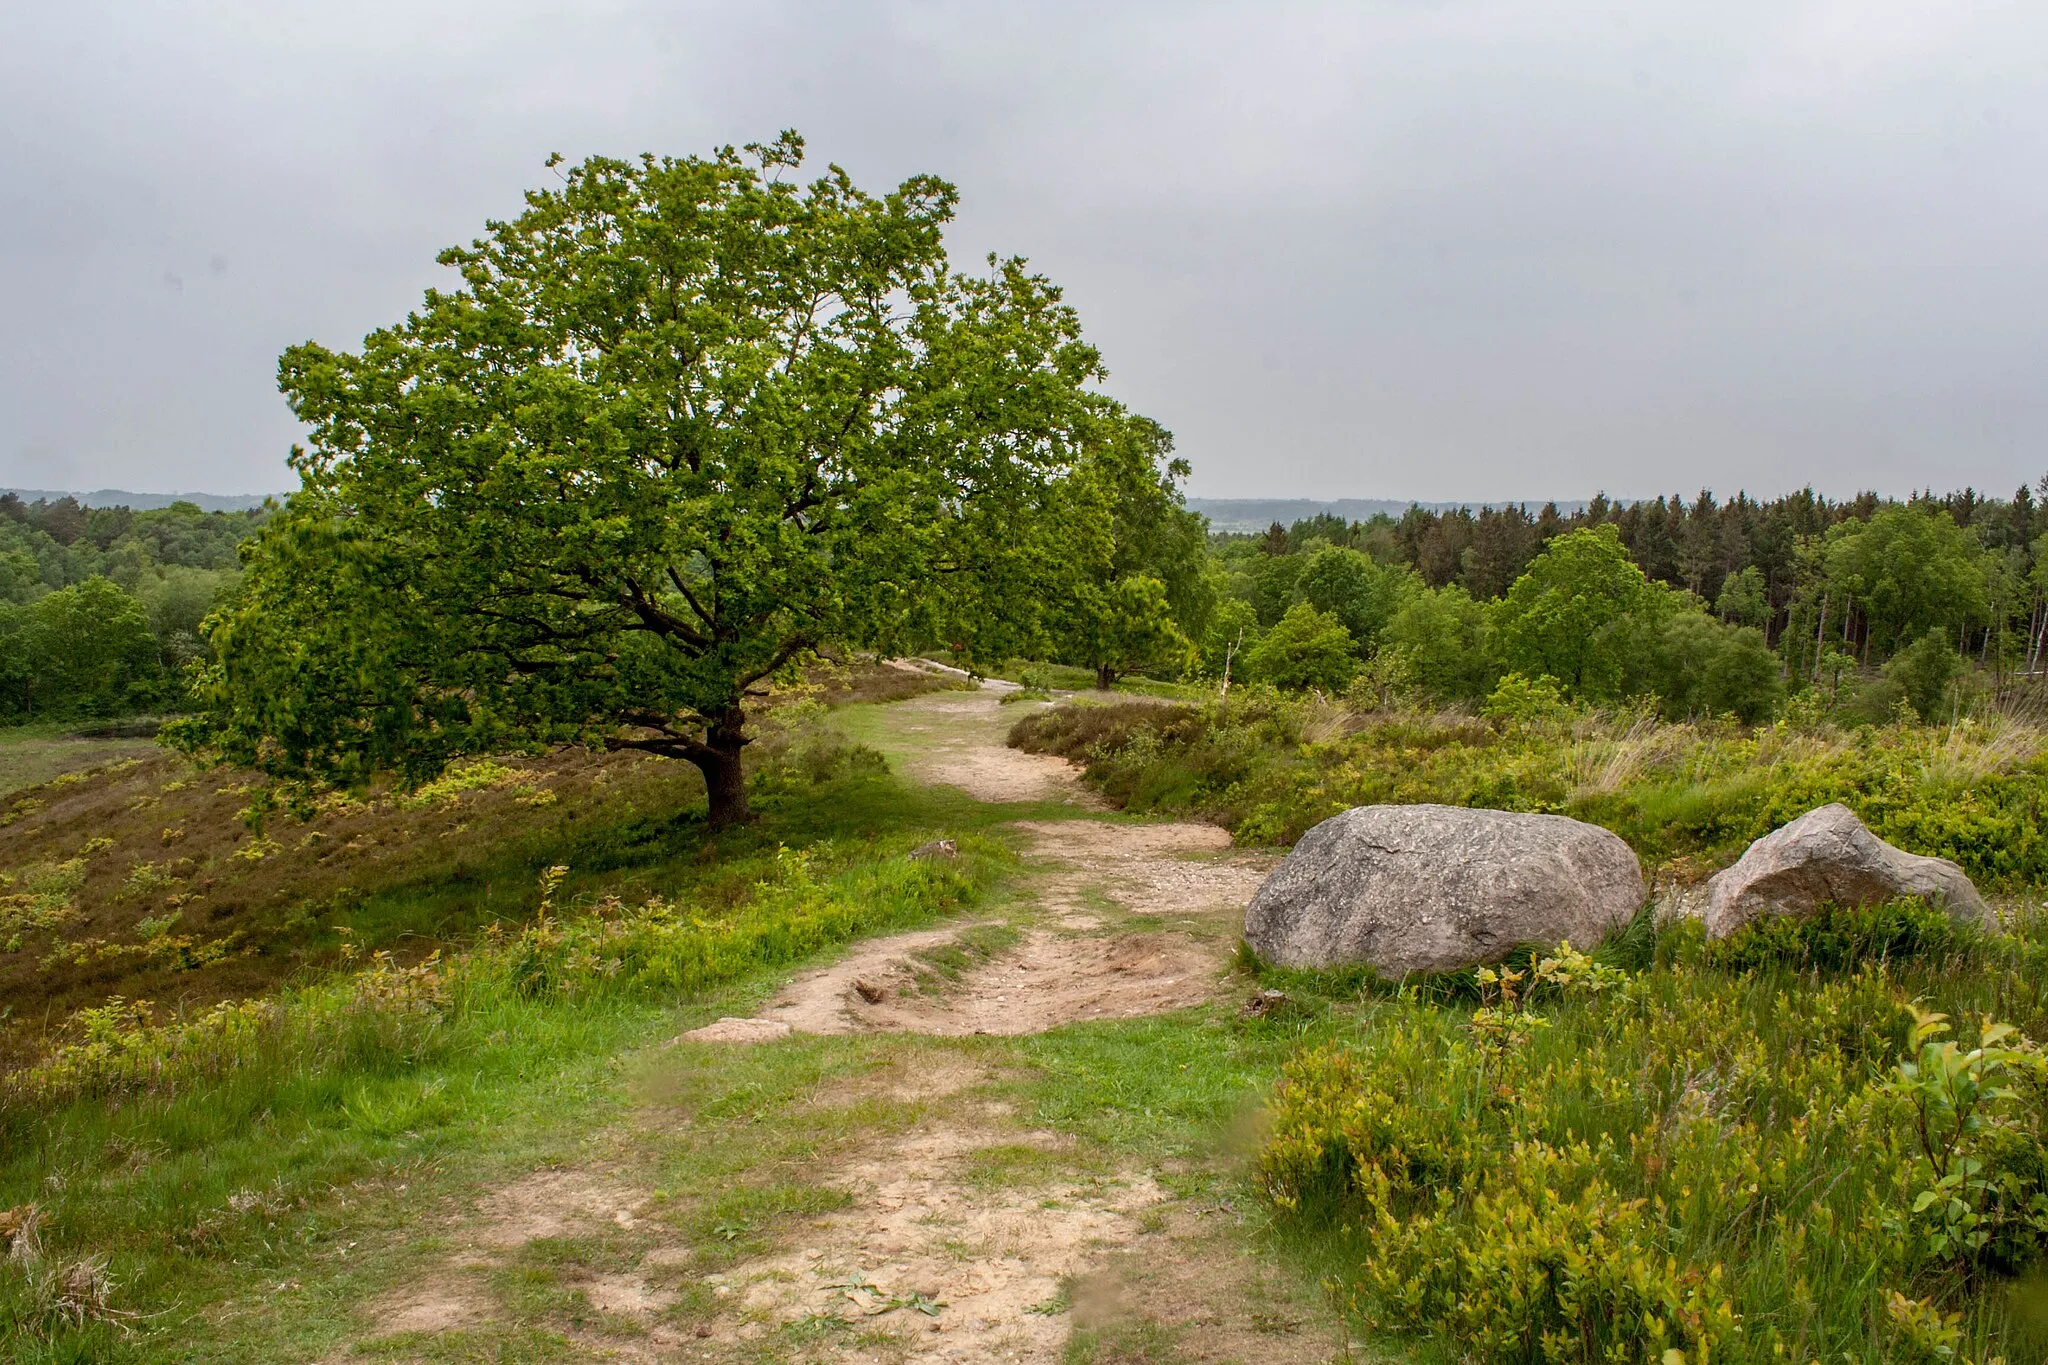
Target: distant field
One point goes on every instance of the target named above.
(33, 754)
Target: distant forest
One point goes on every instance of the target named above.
(1756, 563)
(100, 607)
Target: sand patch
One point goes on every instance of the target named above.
(1047, 980)
(1175, 869)
(1052, 977)
(957, 741)
(555, 1203)
(731, 1030)
(929, 1265)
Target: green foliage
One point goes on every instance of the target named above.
(1909, 569)
(1126, 626)
(1132, 585)
(1701, 667)
(1580, 614)
(1693, 1163)
(1527, 703)
(1349, 586)
(1439, 640)
(86, 650)
(1673, 791)
(1925, 672)
(1743, 600)
(1841, 938)
(72, 581)
(685, 422)
(1978, 1116)
(1233, 630)
(1305, 648)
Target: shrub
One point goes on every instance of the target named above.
(1925, 671)
(1528, 702)
(1305, 648)
(799, 903)
(1698, 1164)
(1839, 938)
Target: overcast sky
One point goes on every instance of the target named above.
(1403, 249)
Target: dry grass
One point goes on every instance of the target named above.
(61, 1293)
(1600, 764)
(1975, 749)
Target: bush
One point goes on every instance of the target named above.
(1925, 671)
(1306, 648)
(1784, 1162)
(797, 748)
(1840, 938)
(1524, 701)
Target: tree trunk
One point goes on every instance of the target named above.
(725, 782)
(1105, 677)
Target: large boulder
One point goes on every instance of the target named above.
(1434, 888)
(1826, 856)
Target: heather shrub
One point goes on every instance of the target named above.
(1776, 1150)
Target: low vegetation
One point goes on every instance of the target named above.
(1687, 795)
(427, 868)
(151, 877)
(164, 1156)
(1820, 1141)
(1821, 1144)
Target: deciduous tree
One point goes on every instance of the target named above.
(685, 422)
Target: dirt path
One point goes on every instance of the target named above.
(949, 1229)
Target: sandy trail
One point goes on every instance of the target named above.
(970, 1238)
(1088, 874)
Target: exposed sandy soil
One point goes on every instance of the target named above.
(1049, 979)
(923, 1235)
(1087, 872)
(1082, 967)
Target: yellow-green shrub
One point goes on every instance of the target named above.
(1730, 1164)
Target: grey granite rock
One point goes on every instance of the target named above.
(1827, 855)
(1434, 888)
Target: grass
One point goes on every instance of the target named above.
(31, 755)
(256, 1159)
(1687, 796)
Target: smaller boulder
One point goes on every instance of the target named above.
(1827, 856)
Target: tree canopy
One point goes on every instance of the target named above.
(685, 422)
(1575, 615)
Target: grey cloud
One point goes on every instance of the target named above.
(1461, 249)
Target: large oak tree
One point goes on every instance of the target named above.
(685, 422)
